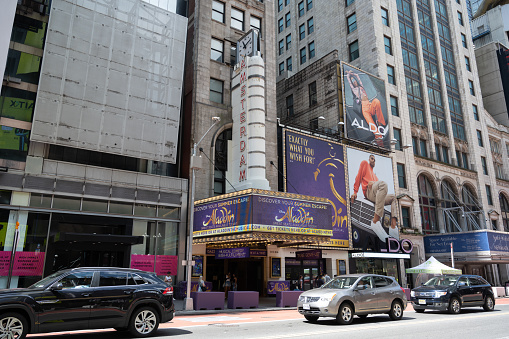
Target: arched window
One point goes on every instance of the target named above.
(471, 208)
(427, 203)
(450, 208)
(504, 206)
(221, 161)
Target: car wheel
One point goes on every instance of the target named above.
(419, 310)
(454, 306)
(489, 303)
(345, 314)
(144, 322)
(311, 318)
(396, 311)
(13, 325)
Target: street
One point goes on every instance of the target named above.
(471, 323)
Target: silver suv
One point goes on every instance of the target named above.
(354, 294)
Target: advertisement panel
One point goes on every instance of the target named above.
(372, 200)
(365, 107)
(316, 167)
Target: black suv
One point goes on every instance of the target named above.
(452, 292)
(87, 298)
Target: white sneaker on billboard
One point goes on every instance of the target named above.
(394, 232)
(379, 230)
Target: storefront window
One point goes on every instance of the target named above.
(167, 212)
(144, 210)
(95, 205)
(121, 207)
(388, 267)
(40, 200)
(66, 203)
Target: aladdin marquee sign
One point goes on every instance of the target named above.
(262, 213)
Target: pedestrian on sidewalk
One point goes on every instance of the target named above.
(168, 279)
(227, 285)
(234, 282)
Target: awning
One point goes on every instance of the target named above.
(280, 239)
(380, 255)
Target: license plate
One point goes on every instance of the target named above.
(422, 302)
(306, 307)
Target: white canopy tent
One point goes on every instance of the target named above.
(433, 266)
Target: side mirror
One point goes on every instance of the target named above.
(361, 287)
(56, 287)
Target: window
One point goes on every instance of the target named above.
(460, 18)
(354, 50)
(312, 94)
(289, 105)
(288, 19)
(301, 8)
(309, 4)
(313, 124)
(287, 2)
(289, 64)
(311, 26)
(280, 25)
(422, 148)
(405, 215)
(415, 146)
(281, 68)
(349, 2)
(281, 46)
(397, 136)
(311, 49)
(351, 23)
(288, 41)
(479, 139)
(445, 154)
(464, 160)
(302, 55)
(385, 17)
(427, 205)
(504, 207)
(390, 75)
(394, 106)
(388, 45)
(279, 5)
(464, 40)
(467, 64)
(302, 32)
(78, 280)
(233, 55)
(256, 23)
(476, 112)
(217, 50)
(237, 19)
(437, 152)
(488, 195)
(218, 11)
(216, 91)
(113, 278)
(484, 165)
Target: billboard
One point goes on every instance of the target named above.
(372, 200)
(365, 107)
(316, 167)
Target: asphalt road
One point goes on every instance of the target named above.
(471, 323)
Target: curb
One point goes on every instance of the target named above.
(228, 310)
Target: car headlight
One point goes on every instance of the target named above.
(439, 294)
(412, 293)
(329, 298)
(302, 298)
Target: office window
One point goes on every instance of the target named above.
(385, 16)
(302, 32)
(390, 75)
(279, 5)
(484, 165)
(464, 160)
(415, 146)
(460, 18)
(313, 124)
(445, 154)
(289, 105)
(397, 136)
(302, 55)
(464, 40)
(354, 50)
(309, 4)
(388, 45)
(479, 139)
(280, 25)
(311, 26)
(289, 64)
(405, 215)
(256, 23)
(287, 2)
(471, 87)
(351, 23)
(422, 148)
(467, 63)
(488, 195)
(281, 46)
(237, 19)
(394, 106)
(288, 19)
(437, 152)
(218, 11)
(233, 55)
(312, 94)
(301, 8)
(349, 2)
(499, 170)
(281, 68)
(476, 112)
(217, 50)
(288, 41)
(311, 50)
(216, 91)
(401, 176)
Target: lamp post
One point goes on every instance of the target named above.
(195, 165)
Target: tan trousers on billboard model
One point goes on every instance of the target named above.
(378, 195)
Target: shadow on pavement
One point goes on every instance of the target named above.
(162, 332)
(358, 321)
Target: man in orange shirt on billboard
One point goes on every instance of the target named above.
(376, 191)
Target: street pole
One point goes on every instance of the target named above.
(452, 256)
(13, 254)
(195, 164)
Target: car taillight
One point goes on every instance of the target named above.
(168, 290)
(402, 289)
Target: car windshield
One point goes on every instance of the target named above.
(340, 283)
(442, 281)
(45, 281)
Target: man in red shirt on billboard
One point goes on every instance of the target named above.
(376, 191)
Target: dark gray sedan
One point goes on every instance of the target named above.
(354, 294)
